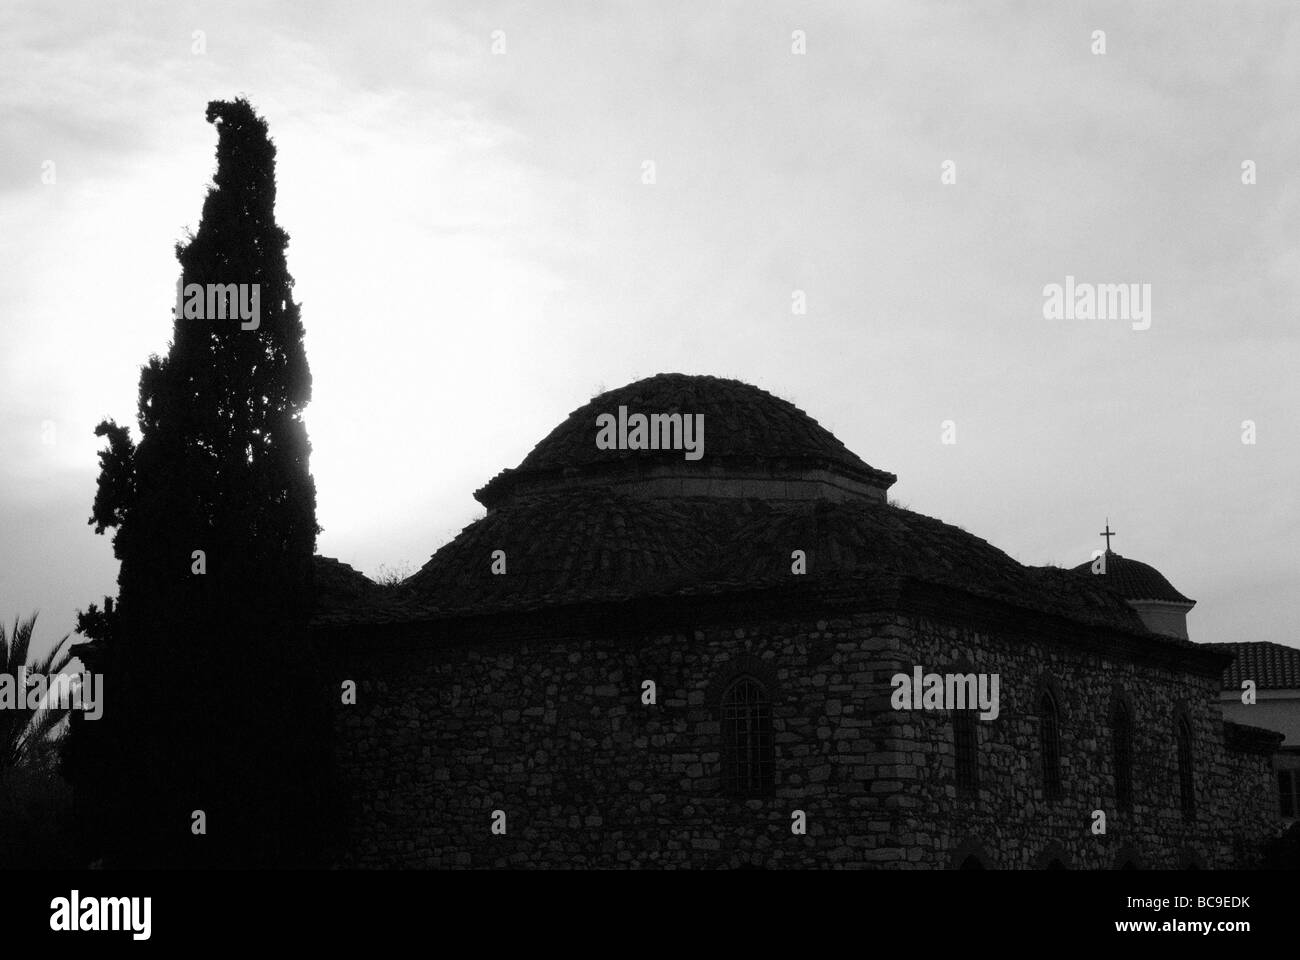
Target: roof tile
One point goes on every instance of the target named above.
(1273, 666)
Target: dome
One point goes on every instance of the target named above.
(578, 524)
(1134, 580)
(753, 443)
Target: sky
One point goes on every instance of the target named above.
(478, 252)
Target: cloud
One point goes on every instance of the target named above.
(474, 247)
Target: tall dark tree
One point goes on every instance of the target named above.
(210, 688)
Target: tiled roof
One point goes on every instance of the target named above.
(590, 545)
(341, 589)
(574, 531)
(1134, 580)
(742, 423)
(1272, 666)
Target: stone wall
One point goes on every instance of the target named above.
(1010, 819)
(554, 734)
(1248, 798)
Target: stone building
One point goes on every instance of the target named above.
(1273, 703)
(638, 659)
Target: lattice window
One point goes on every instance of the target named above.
(748, 751)
(1186, 779)
(1122, 731)
(965, 735)
(1288, 788)
(1049, 734)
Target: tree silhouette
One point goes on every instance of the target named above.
(24, 731)
(210, 685)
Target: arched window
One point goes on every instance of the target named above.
(969, 855)
(1122, 756)
(1186, 783)
(1049, 737)
(748, 755)
(965, 736)
(1288, 787)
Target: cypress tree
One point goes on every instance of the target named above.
(210, 688)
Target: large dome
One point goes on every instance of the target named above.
(750, 437)
(576, 525)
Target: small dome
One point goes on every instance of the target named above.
(1134, 580)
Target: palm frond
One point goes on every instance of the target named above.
(24, 732)
(54, 661)
(17, 643)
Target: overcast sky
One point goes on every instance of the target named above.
(476, 255)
